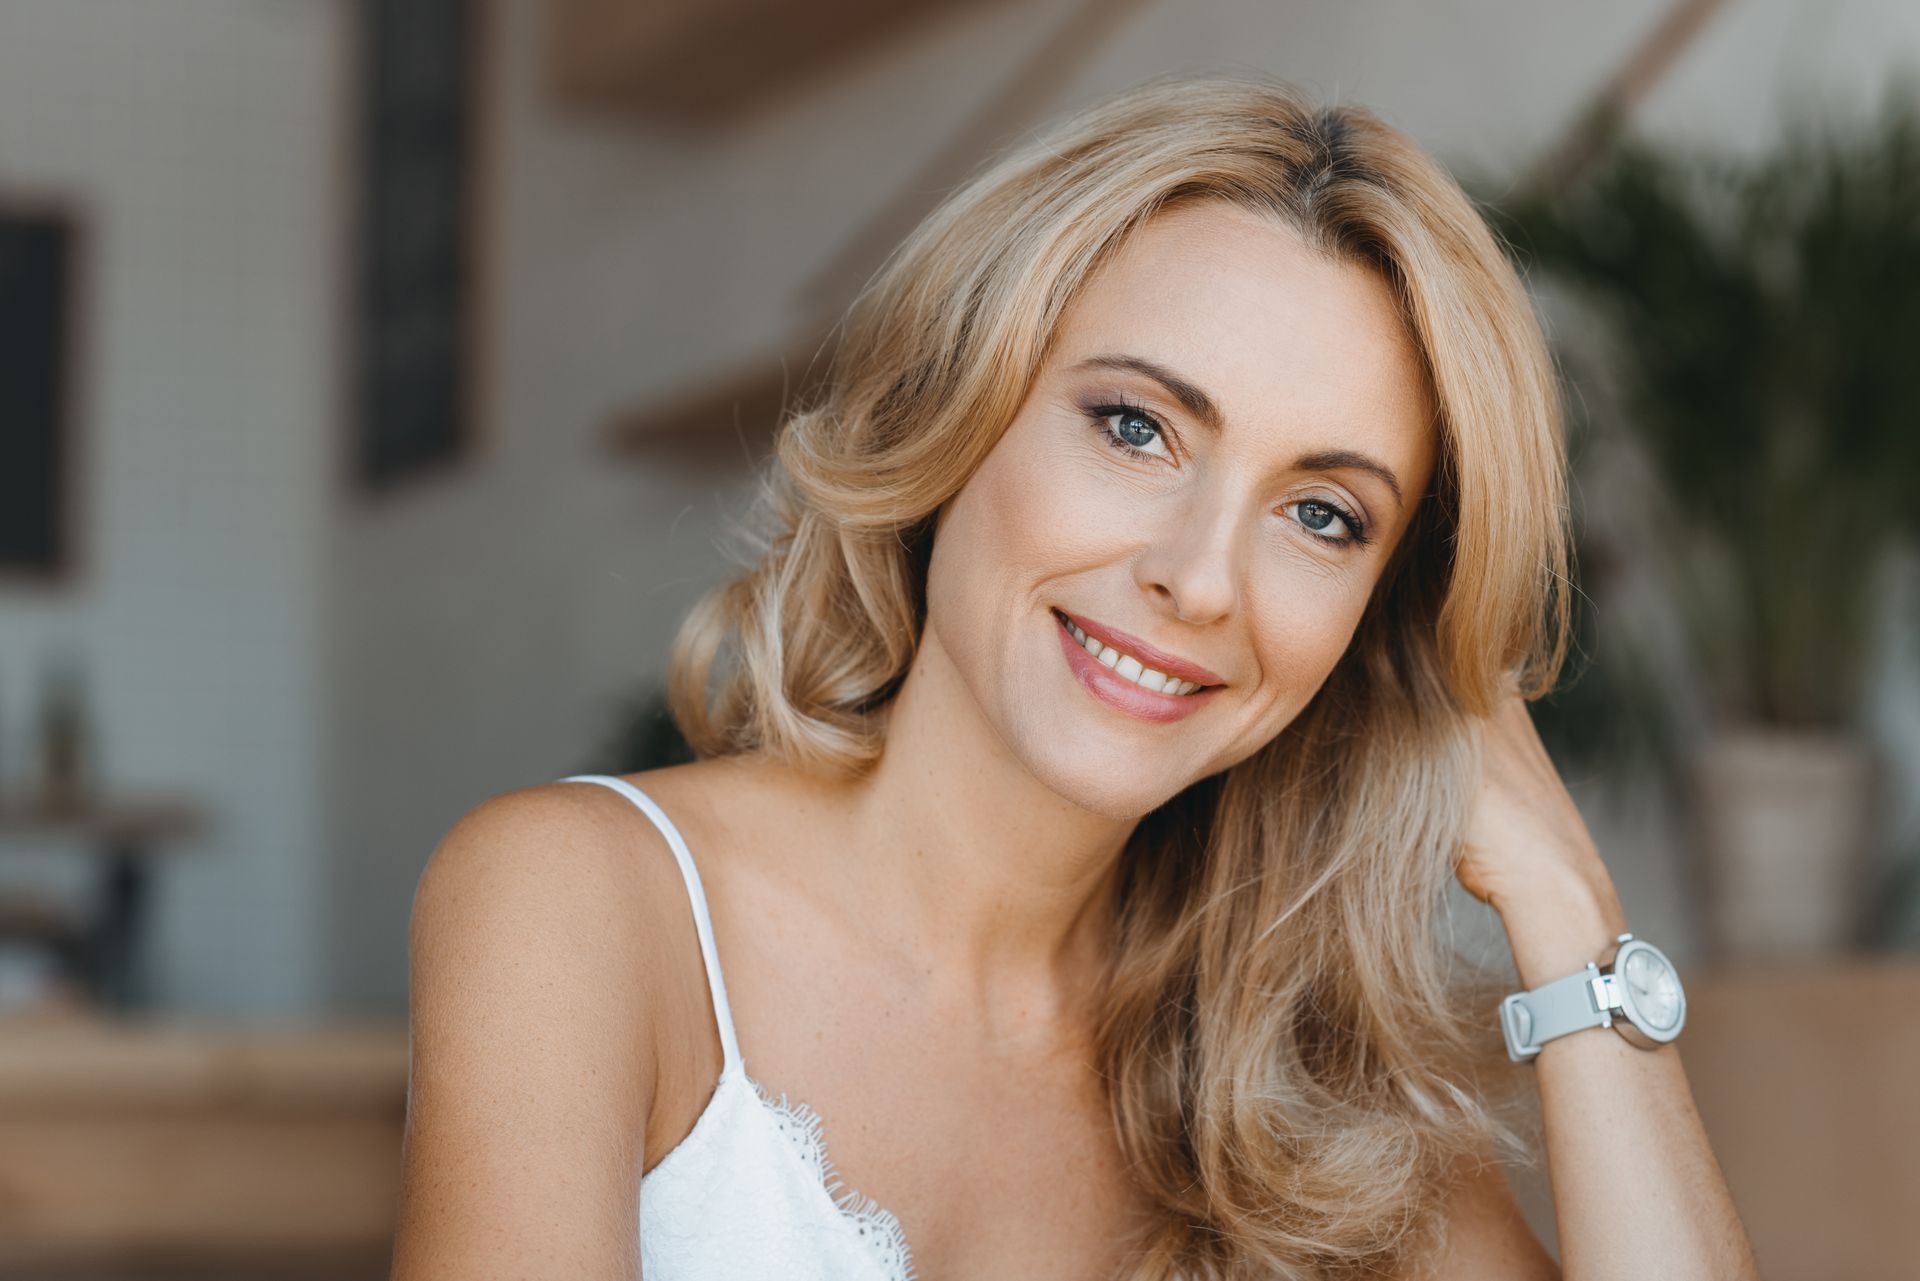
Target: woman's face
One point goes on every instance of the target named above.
(1208, 477)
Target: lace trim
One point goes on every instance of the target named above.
(875, 1225)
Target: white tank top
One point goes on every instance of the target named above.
(750, 1192)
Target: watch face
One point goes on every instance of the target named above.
(1650, 989)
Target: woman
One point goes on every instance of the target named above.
(1136, 653)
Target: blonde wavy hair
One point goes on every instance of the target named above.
(1297, 1057)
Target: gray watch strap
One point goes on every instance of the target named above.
(1530, 1019)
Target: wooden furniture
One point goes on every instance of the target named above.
(128, 1148)
(126, 836)
(1808, 1082)
(280, 1150)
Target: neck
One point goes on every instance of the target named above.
(971, 868)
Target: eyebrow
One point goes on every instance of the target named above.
(1202, 406)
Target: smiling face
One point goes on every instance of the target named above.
(1206, 481)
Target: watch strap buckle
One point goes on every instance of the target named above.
(1582, 999)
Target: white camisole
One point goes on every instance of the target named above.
(750, 1192)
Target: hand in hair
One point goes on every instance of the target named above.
(1526, 838)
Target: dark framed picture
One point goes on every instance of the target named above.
(414, 316)
(42, 246)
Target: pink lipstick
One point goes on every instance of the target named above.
(1123, 695)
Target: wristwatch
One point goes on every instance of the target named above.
(1633, 989)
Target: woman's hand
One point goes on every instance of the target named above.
(1528, 853)
(1526, 837)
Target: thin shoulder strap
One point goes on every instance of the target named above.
(702, 920)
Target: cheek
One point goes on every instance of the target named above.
(983, 550)
(1027, 514)
(1061, 507)
(1303, 621)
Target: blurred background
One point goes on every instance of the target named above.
(377, 382)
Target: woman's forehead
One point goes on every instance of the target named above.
(1278, 337)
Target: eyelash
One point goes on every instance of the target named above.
(1357, 535)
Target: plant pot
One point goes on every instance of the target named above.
(1781, 818)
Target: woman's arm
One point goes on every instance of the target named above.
(1636, 1189)
(531, 1072)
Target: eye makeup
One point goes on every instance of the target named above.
(1100, 411)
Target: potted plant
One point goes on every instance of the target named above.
(1753, 357)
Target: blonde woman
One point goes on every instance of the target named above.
(1136, 651)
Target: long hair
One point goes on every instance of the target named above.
(1296, 1057)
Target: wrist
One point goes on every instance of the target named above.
(1555, 928)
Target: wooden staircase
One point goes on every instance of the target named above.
(727, 423)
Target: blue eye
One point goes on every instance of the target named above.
(1136, 430)
(1130, 429)
(1318, 513)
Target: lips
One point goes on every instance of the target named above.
(1149, 655)
(1115, 691)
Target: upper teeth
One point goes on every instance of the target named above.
(1130, 667)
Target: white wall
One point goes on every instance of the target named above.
(198, 137)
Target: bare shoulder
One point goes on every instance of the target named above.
(544, 940)
(553, 882)
(1487, 1237)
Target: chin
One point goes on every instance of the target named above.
(1107, 797)
(1088, 779)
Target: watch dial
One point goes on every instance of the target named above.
(1654, 987)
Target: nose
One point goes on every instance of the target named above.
(1192, 566)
